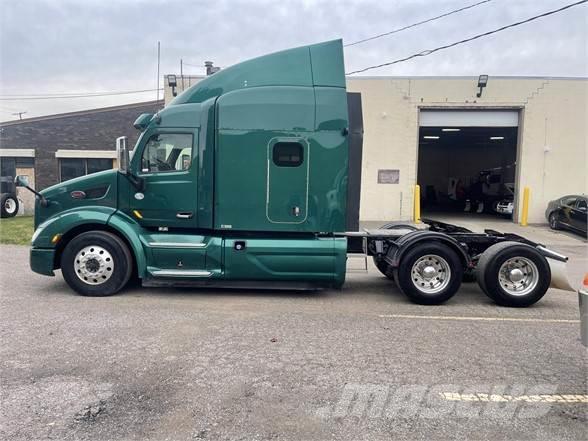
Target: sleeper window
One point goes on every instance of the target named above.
(167, 152)
(288, 154)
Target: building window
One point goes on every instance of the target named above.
(75, 167)
(8, 165)
(288, 154)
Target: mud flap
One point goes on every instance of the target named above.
(559, 277)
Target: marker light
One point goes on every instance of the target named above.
(138, 214)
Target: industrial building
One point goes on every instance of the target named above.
(530, 132)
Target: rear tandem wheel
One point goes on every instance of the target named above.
(513, 274)
(429, 273)
(381, 264)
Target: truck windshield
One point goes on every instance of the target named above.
(167, 152)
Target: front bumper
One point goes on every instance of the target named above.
(41, 260)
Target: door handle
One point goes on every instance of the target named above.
(184, 215)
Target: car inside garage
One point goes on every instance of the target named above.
(467, 161)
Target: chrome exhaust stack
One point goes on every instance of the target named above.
(557, 264)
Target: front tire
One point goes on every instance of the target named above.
(513, 274)
(429, 273)
(96, 263)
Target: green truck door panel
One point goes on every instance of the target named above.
(288, 161)
(169, 197)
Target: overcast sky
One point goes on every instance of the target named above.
(61, 46)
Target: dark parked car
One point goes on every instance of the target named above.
(568, 212)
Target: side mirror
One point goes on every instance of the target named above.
(122, 154)
(21, 181)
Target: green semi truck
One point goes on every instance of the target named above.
(250, 178)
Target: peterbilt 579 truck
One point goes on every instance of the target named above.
(250, 178)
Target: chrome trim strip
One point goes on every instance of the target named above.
(180, 273)
(177, 245)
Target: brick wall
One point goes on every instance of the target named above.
(88, 130)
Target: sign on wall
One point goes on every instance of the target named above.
(388, 176)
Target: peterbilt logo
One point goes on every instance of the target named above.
(77, 194)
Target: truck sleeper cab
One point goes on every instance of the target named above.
(249, 179)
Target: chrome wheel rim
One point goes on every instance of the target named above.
(552, 221)
(10, 206)
(518, 276)
(430, 274)
(94, 265)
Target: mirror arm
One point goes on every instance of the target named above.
(44, 202)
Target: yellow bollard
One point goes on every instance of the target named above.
(417, 204)
(525, 213)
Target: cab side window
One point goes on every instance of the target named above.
(166, 152)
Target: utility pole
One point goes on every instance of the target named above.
(20, 114)
(182, 72)
(158, 61)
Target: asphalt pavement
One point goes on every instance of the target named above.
(360, 363)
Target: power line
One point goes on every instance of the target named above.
(71, 95)
(455, 11)
(475, 37)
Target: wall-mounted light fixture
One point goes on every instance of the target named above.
(210, 68)
(430, 137)
(172, 82)
(496, 138)
(451, 130)
(482, 82)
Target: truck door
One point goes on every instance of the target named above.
(166, 167)
(288, 163)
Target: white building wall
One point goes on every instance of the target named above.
(553, 140)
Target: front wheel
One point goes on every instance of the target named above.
(429, 273)
(513, 274)
(96, 263)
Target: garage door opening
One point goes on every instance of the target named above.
(467, 162)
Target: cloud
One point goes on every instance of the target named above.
(99, 45)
